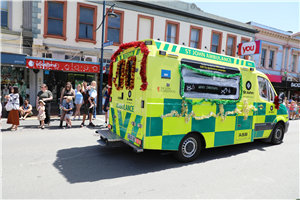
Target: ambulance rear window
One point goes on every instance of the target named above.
(210, 87)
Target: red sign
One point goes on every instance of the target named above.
(62, 66)
(249, 48)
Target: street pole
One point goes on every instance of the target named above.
(101, 64)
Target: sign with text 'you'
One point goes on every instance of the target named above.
(249, 48)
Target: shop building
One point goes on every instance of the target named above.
(16, 39)
(279, 58)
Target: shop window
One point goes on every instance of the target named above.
(271, 59)
(195, 37)
(198, 85)
(172, 32)
(216, 42)
(145, 27)
(4, 13)
(86, 23)
(294, 58)
(55, 19)
(263, 88)
(263, 57)
(114, 28)
(231, 45)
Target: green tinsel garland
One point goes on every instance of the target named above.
(213, 101)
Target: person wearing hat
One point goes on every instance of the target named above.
(41, 116)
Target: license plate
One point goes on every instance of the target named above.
(130, 137)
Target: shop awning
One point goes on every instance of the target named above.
(62, 65)
(274, 78)
(13, 59)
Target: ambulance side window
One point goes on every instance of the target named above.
(263, 88)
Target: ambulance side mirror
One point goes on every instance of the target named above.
(281, 97)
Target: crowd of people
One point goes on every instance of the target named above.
(293, 108)
(84, 97)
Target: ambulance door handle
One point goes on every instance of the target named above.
(261, 106)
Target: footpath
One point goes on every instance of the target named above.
(31, 123)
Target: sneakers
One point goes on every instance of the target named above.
(91, 124)
(82, 125)
(105, 125)
(73, 118)
(79, 118)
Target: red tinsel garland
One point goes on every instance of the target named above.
(130, 84)
(120, 75)
(276, 102)
(124, 46)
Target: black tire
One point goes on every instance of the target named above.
(189, 148)
(277, 135)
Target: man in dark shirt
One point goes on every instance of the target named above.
(86, 105)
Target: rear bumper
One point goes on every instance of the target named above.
(111, 139)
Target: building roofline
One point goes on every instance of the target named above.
(191, 15)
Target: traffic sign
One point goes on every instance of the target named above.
(108, 43)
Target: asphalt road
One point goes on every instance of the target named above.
(68, 164)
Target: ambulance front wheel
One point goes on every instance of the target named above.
(278, 132)
(189, 148)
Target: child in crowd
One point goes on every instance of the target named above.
(68, 108)
(92, 93)
(41, 116)
(292, 109)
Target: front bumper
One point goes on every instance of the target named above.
(286, 128)
(111, 139)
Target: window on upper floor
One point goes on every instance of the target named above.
(263, 57)
(86, 23)
(195, 37)
(231, 45)
(114, 28)
(271, 59)
(172, 32)
(55, 19)
(216, 42)
(294, 60)
(145, 27)
(4, 14)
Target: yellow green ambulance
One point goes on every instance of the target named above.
(194, 100)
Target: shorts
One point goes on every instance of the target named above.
(87, 109)
(68, 116)
(292, 111)
(78, 101)
(105, 106)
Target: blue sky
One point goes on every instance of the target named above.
(282, 15)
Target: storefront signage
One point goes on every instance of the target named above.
(296, 85)
(17, 59)
(62, 66)
(249, 48)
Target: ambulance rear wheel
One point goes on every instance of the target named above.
(189, 148)
(278, 133)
